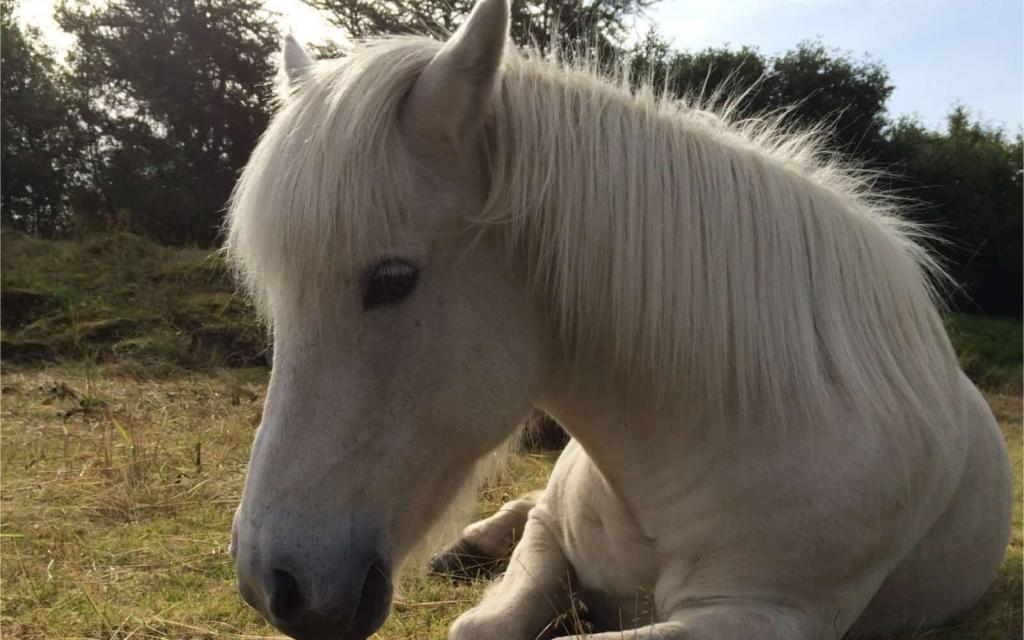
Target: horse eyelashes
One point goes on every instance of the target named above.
(390, 282)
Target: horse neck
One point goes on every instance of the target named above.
(684, 249)
(628, 434)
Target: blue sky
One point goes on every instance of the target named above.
(937, 52)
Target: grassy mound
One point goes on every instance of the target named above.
(122, 298)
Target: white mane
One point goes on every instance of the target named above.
(732, 260)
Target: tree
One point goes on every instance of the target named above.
(174, 96)
(969, 182)
(540, 23)
(832, 87)
(35, 131)
(967, 179)
(811, 83)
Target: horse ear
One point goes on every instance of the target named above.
(451, 97)
(295, 62)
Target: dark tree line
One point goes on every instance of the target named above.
(542, 24)
(159, 103)
(965, 182)
(814, 84)
(158, 108)
(37, 127)
(970, 189)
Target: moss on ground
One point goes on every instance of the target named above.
(122, 298)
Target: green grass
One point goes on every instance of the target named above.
(124, 444)
(990, 350)
(121, 298)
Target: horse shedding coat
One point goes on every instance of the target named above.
(772, 438)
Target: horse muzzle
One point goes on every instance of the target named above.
(308, 601)
(288, 611)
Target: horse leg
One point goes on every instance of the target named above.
(738, 620)
(484, 546)
(532, 594)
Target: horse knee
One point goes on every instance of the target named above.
(497, 535)
(485, 545)
(473, 626)
(744, 621)
(504, 612)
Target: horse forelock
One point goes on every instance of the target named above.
(325, 185)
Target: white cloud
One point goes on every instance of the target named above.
(306, 23)
(39, 14)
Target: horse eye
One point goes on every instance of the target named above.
(389, 282)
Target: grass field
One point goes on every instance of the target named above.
(123, 442)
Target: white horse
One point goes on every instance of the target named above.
(772, 437)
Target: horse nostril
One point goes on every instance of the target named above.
(374, 600)
(283, 596)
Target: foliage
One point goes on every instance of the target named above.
(35, 128)
(164, 100)
(965, 182)
(969, 181)
(543, 24)
(812, 84)
(174, 95)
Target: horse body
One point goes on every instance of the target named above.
(772, 438)
(812, 531)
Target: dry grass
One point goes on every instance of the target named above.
(118, 494)
(117, 501)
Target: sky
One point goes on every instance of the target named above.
(937, 52)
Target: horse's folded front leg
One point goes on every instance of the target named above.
(484, 546)
(529, 597)
(721, 621)
(656, 631)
